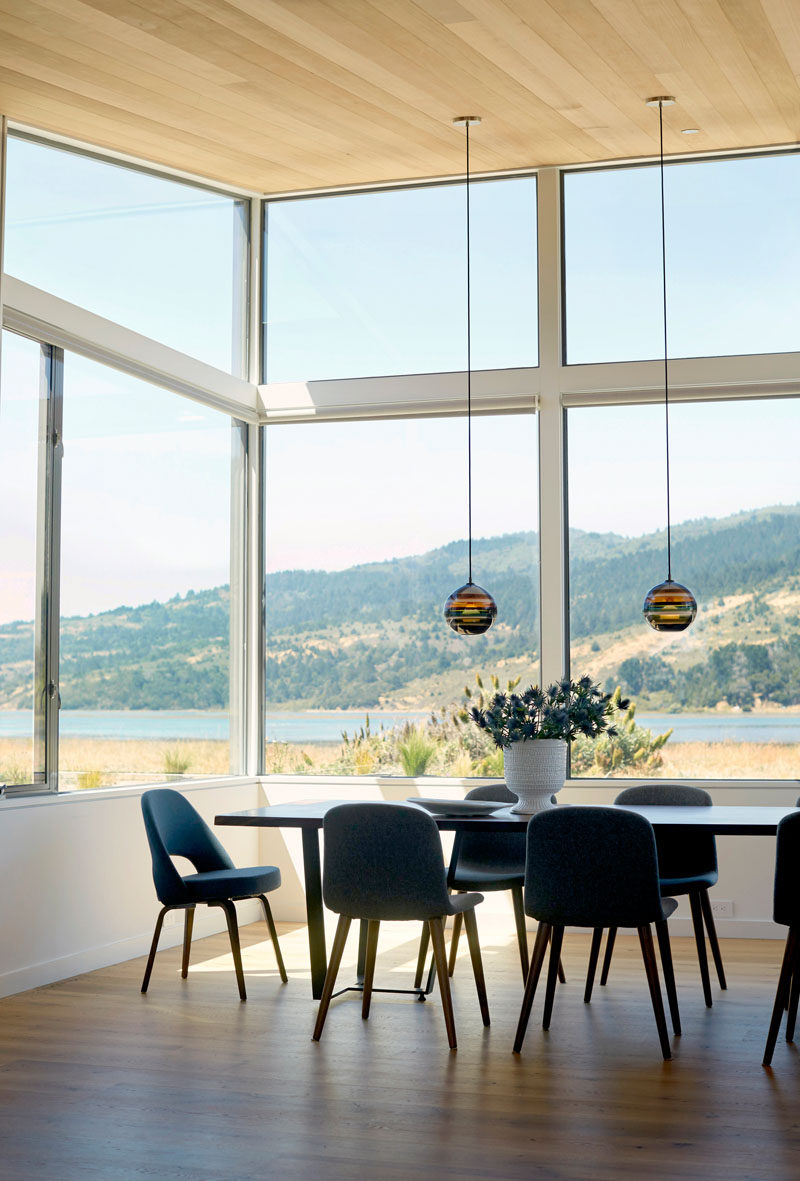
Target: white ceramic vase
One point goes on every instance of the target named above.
(534, 770)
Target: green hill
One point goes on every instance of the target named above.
(373, 634)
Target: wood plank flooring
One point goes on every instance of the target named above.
(188, 1083)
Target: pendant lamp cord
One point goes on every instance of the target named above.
(664, 297)
(469, 380)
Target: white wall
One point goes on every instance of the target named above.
(77, 883)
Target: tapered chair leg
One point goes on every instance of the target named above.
(651, 969)
(451, 964)
(424, 944)
(700, 940)
(594, 954)
(236, 949)
(373, 928)
(662, 931)
(782, 994)
(154, 946)
(339, 940)
(471, 927)
(612, 938)
(273, 934)
(794, 997)
(517, 899)
(556, 939)
(188, 923)
(534, 971)
(440, 958)
(705, 906)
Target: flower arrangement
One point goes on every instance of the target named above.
(563, 710)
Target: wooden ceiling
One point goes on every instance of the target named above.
(285, 95)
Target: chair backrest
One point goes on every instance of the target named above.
(592, 867)
(502, 851)
(175, 829)
(383, 861)
(684, 852)
(787, 872)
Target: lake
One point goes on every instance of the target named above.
(326, 726)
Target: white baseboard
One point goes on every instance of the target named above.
(208, 921)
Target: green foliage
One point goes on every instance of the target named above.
(282, 758)
(14, 773)
(90, 779)
(176, 761)
(416, 750)
(563, 710)
(624, 745)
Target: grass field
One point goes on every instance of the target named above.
(92, 763)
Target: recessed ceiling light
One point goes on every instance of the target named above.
(690, 131)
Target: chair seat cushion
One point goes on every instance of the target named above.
(478, 877)
(700, 881)
(217, 884)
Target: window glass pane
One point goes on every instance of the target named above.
(727, 690)
(374, 284)
(733, 254)
(19, 447)
(366, 526)
(162, 258)
(145, 583)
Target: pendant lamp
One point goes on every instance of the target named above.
(669, 606)
(470, 610)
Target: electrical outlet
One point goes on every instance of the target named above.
(722, 908)
(172, 918)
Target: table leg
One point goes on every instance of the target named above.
(314, 913)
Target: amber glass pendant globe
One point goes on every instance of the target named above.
(470, 610)
(669, 607)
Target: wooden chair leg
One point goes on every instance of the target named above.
(154, 946)
(561, 977)
(424, 944)
(651, 969)
(188, 923)
(705, 905)
(273, 934)
(794, 997)
(556, 939)
(594, 954)
(236, 949)
(517, 899)
(339, 940)
(612, 938)
(700, 940)
(782, 993)
(454, 941)
(471, 927)
(373, 928)
(534, 971)
(664, 946)
(440, 958)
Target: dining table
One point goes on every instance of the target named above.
(309, 816)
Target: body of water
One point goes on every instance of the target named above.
(326, 726)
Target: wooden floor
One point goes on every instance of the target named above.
(97, 1081)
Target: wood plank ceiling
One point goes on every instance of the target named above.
(286, 95)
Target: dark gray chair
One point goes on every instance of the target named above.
(595, 867)
(384, 862)
(488, 862)
(786, 911)
(175, 829)
(687, 864)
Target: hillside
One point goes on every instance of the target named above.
(373, 634)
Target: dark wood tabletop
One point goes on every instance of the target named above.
(721, 819)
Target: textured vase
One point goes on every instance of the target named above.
(534, 771)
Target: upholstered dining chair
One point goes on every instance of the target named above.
(384, 862)
(487, 862)
(687, 864)
(175, 829)
(595, 867)
(786, 911)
